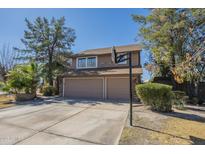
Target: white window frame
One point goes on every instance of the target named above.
(86, 60)
(85, 63)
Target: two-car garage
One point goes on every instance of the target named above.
(96, 87)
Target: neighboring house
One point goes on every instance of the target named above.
(94, 76)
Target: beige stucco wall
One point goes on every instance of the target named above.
(105, 61)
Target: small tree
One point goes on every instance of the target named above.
(49, 43)
(191, 70)
(171, 33)
(7, 60)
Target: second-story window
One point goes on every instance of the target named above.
(87, 62)
(91, 62)
(81, 62)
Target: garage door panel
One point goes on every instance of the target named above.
(84, 88)
(118, 88)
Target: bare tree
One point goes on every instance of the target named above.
(7, 60)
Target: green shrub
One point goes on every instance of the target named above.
(195, 100)
(24, 97)
(49, 91)
(158, 96)
(180, 99)
(1, 85)
(22, 79)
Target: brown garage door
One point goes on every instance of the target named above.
(84, 88)
(118, 88)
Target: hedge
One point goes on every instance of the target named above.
(158, 96)
(49, 91)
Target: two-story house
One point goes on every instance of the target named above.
(94, 76)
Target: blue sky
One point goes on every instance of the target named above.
(95, 28)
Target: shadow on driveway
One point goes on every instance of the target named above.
(57, 99)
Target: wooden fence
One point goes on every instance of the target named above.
(186, 87)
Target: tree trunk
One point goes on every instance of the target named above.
(196, 88)
(190, 89)
(3, 74)
(172, 76)
(4, 78)
(57, 84)
(50, 79)
(50, 71)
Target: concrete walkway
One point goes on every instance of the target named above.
(63, 122)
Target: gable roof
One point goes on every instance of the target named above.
(102, 51)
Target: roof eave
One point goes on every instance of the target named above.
(84, 54)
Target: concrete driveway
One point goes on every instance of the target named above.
(63, 122)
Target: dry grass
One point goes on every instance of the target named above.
(181, 131)
(6, 101)
(136, 136)
(179, 127)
